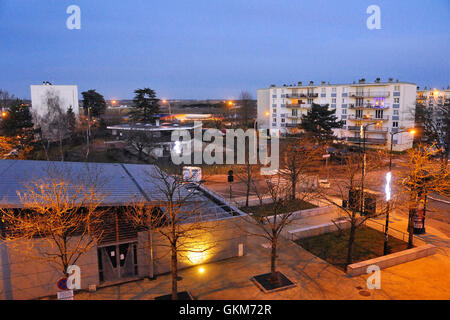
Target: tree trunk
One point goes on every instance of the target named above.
(174, 269)
(247, 195)
(412, 213)
(273, 259)
(351, 239)
(294, 186)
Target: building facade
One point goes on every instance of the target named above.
(387, 106)
(67, 95)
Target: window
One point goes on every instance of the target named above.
(274, 110)
(333, 100)
(379, 114)
(310, 101)
(343, 100)
(344, 111)
(274, 119)
(359, 102)
(358, 114)
(283, 120)
(396, 113)
(396, 88)
(333, 90)
(395, 124)
(323, 90)
(344, 122)
(396, 100)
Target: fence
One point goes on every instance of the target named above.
(394, 232)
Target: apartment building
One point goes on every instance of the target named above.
(386, 106)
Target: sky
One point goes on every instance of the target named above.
(208, 49)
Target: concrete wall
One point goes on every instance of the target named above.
(219, 240)
(393, 259)
(24, 277)
(307, 232)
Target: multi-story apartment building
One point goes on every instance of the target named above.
(387, 106)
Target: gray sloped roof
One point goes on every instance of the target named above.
(120, 183)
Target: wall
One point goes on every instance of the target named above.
(220, 238)
(23, 277)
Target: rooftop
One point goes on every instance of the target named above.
(153, 127)
(121, 184)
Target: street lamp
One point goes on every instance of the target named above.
(388, 188)
(363, 167)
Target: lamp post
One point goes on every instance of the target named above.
(363, 167)
(388, 189)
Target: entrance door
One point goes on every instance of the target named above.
(117, 261)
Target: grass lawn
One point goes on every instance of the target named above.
(332, 247)
(290, 206)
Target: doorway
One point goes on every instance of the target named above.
(117, 261)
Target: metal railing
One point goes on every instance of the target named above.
(365, 118)
(367, 94)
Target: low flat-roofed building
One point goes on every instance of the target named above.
(123, 251)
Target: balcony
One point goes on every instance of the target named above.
(368, 140)
(368, 106)
(290, 116)
(293, 125)
(367, 118)
(298, 105)
(302, 95)
(369, 94)
(369, 129)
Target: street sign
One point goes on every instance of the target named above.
(62, 284)
(65, 295)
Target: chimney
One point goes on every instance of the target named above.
(363, 80)
(300, 83)
(377, 80)
(323, 83)
(311, 83)
(396, 80)
(272, 86)
(390, 80)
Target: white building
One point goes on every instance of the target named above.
(67, 94)
(389, 105)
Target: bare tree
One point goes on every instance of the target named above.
(140, 139)
(423, 177)
(349, 187)
(54, 125)
(271, 219)
(247, 109)
(179, 216)
(63, 211)
(299, 156)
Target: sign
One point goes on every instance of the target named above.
(62, 284)
(65, 295)
(325, 156)
(230, 176)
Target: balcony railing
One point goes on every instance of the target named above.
(298, 105)
(366, 118)
(293, 116)
(368, 94)
(368, 106)
(368, 140)
(368, 129)
(293, 125)
(302, 95)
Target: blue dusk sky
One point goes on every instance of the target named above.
(216, 48)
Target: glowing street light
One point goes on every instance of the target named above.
(201, 270)
(388, 189)
(4, 114)
(164, 101)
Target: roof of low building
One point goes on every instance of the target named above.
(120, 184)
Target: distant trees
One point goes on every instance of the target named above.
(299, 154)
(62, 211)
(319, 121)
(435, 123)
(5, 99)
(94, 103)
(246, 110)
(55, 125)
(17, 119)
(17, 124)
(145, 105)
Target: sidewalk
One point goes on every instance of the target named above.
(426, 278)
